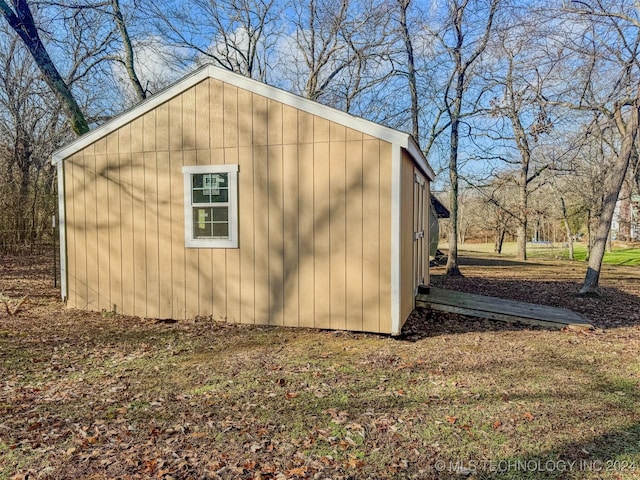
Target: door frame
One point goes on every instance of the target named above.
(420, 236)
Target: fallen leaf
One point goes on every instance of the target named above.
(150, 465)
(528, 416)
(451, 419)
(297, 472)
(289, 395)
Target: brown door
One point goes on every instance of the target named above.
(419, 243)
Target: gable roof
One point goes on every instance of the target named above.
(390, 135)
(441, 210)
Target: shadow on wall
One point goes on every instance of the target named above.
(162, 212)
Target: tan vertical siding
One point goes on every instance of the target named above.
(261, 234)
(192, 259)
(161, 137)
(230, 115)
(189, 119)
(178, 252)
(152, 236)
(126, 233)
(137, 135)
(150, 133)
(321, 238)
(165, 271)
(371, 242)
(102, 223)
(354, 234)
(337, 233)
(92, 204)
(306, 235)
(232, 265)
(275, 237)
(291, 228)
(79, 208)
(114, 230)
(245, 120)
(202, 116)
(314, 216)
(246, 234)
(139, 239)
(216, 114)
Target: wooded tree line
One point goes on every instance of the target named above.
(530, 106)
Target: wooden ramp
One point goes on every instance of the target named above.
(499, 309)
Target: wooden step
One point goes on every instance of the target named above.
(500, 309)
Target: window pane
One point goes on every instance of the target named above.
(220, 214)
(210, 222)
(210, 187)
(221, 230)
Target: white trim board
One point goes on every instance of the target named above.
(209, 71)
(232, 205)
(396, 261)
(62, 231)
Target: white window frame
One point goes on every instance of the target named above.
(232, 204)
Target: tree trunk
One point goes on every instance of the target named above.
(500, 233)
(521, 235)
(589, 235)
(567, 227)
(523, 181)
(453, 269)
(128, 50)
(411, 69)
(23, 24)
(612, 185)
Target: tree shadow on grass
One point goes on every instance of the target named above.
(492, 262)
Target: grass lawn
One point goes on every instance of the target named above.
(90, 395)
(629, 256)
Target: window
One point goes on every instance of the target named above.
(211, 206)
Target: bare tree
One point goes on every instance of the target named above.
(465, 49)
(21, 20)
(518, 82)
(610, 42)
(411, 73)
(31, 126)
(237, 35)
(129, 55)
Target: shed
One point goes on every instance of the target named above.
(222, 196)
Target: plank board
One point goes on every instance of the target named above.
(499, 309)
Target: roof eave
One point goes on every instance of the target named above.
(209, 71)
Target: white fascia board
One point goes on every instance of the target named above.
(63, 232)
(365, 126)
(130, 115)
(396, 206)
(420, 159)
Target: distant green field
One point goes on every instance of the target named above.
(619, 256)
